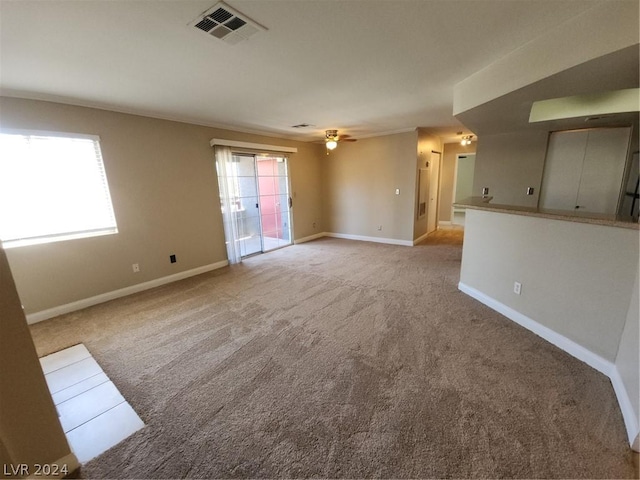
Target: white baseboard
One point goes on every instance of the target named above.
(68, 462)
(123, 292)
(420, 238)
(444, 223)
(362, 238)
(560, 341)
(629, 416)
(572, 348)
(309, 238)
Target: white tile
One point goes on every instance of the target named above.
(88, 405)
(103, 432)
(78, 388)
(64, 358)
(72, 374)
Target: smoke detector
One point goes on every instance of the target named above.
(226, 24)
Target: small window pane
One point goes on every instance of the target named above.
(52, 188)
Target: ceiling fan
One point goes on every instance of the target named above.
(332, 138)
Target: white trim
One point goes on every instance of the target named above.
(444, 223)
(629, 416)
(560, 341)
(70, 461)
(253, 146)
(309, 238)
(420, 238)
(123, 292)
(62, 237)
(362, 238)
(572, 348)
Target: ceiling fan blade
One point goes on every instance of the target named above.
(348, 140)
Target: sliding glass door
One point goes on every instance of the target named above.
(273, 189)
(261, 203)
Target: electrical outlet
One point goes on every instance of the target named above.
(485, 190)
(172, 258)
(517, 288)
(530, 190)
(136, 267)
(379, 227)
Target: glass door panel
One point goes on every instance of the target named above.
(247, 206)
(273, 187)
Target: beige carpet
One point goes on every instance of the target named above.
(347, 359)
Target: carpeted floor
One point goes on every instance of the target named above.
(342, 359)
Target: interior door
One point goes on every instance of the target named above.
(584, 170)
(561, 178)
(603, 170)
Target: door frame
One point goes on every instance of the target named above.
(275, 155)
(455, 181)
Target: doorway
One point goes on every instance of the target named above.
(262, 203)
(462, 185)
(434, 183)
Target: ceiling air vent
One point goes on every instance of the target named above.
(223, 22)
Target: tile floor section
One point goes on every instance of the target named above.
(93, 413)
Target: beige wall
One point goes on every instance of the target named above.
(447, 177)
(29, 428)
(360, 180)
(576, 278)
(509, 163)
(426, 144)
(165, 195)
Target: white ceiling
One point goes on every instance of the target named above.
(365, 67)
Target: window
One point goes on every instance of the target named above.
(52, 187)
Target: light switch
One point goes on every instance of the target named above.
(397, 191)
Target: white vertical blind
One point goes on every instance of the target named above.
(52, 187)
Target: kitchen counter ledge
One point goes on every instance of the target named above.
(483, 203)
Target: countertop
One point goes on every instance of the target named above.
(483, 203)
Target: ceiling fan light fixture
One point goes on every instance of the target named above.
(466, 140)
(331, 144)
